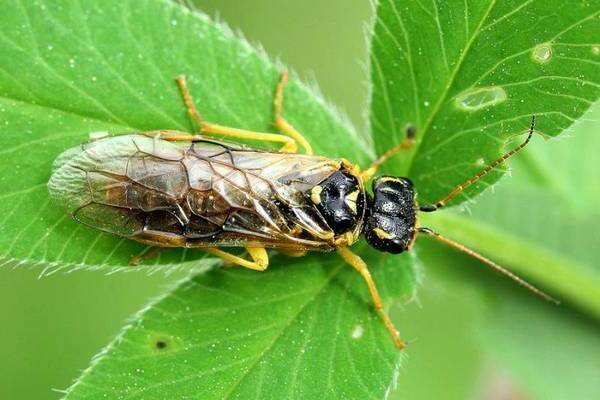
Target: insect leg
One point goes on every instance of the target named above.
(293, 253)
(153, 252)
(260, 258)
(281, 122)
(358, 264)
(407, 143)
(208, 128)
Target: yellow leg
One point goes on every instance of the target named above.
(359, 265)
(280, 121)
(151, 253)
(207, 128)
(407, 143)
(293, 253)
(260, 258)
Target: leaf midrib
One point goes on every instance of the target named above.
(441, 99)
(278, 336)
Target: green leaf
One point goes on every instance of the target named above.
(302, 330)
(543, 225)
(72, 68)
(470, 74)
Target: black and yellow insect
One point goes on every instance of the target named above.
(175, 189)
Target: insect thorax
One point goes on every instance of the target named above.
(341, 201)
(390, 223)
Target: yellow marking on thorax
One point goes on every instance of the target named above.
(315, 194)
(381, 234)
(390, 179)
(350, 201)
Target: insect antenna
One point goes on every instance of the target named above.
(458, 189)
(488, 262)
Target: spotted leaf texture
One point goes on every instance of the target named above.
(468, 75)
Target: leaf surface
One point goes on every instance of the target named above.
(470, 74)
(539, 223)
(302, 330)
(70, 68)
(542, 221)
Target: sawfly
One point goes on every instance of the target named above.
(175, 189)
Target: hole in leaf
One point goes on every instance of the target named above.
(542, 53)
(161, 344)
(411, 132)
(477, 98)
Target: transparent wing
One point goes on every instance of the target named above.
(198, 194)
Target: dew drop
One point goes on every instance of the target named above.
(357, 332)
(477, 98)
(542, 53)
(596, 49)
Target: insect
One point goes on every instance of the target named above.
(175, 189)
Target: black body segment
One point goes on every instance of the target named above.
(391, 215)
(341, 201)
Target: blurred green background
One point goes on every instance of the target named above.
(473, 335)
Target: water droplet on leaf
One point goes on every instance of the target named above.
(357, 332)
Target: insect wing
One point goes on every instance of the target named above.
(197, 194)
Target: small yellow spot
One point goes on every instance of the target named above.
(315, 194)
(381, 234)
(350, 201)
(328, 235)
